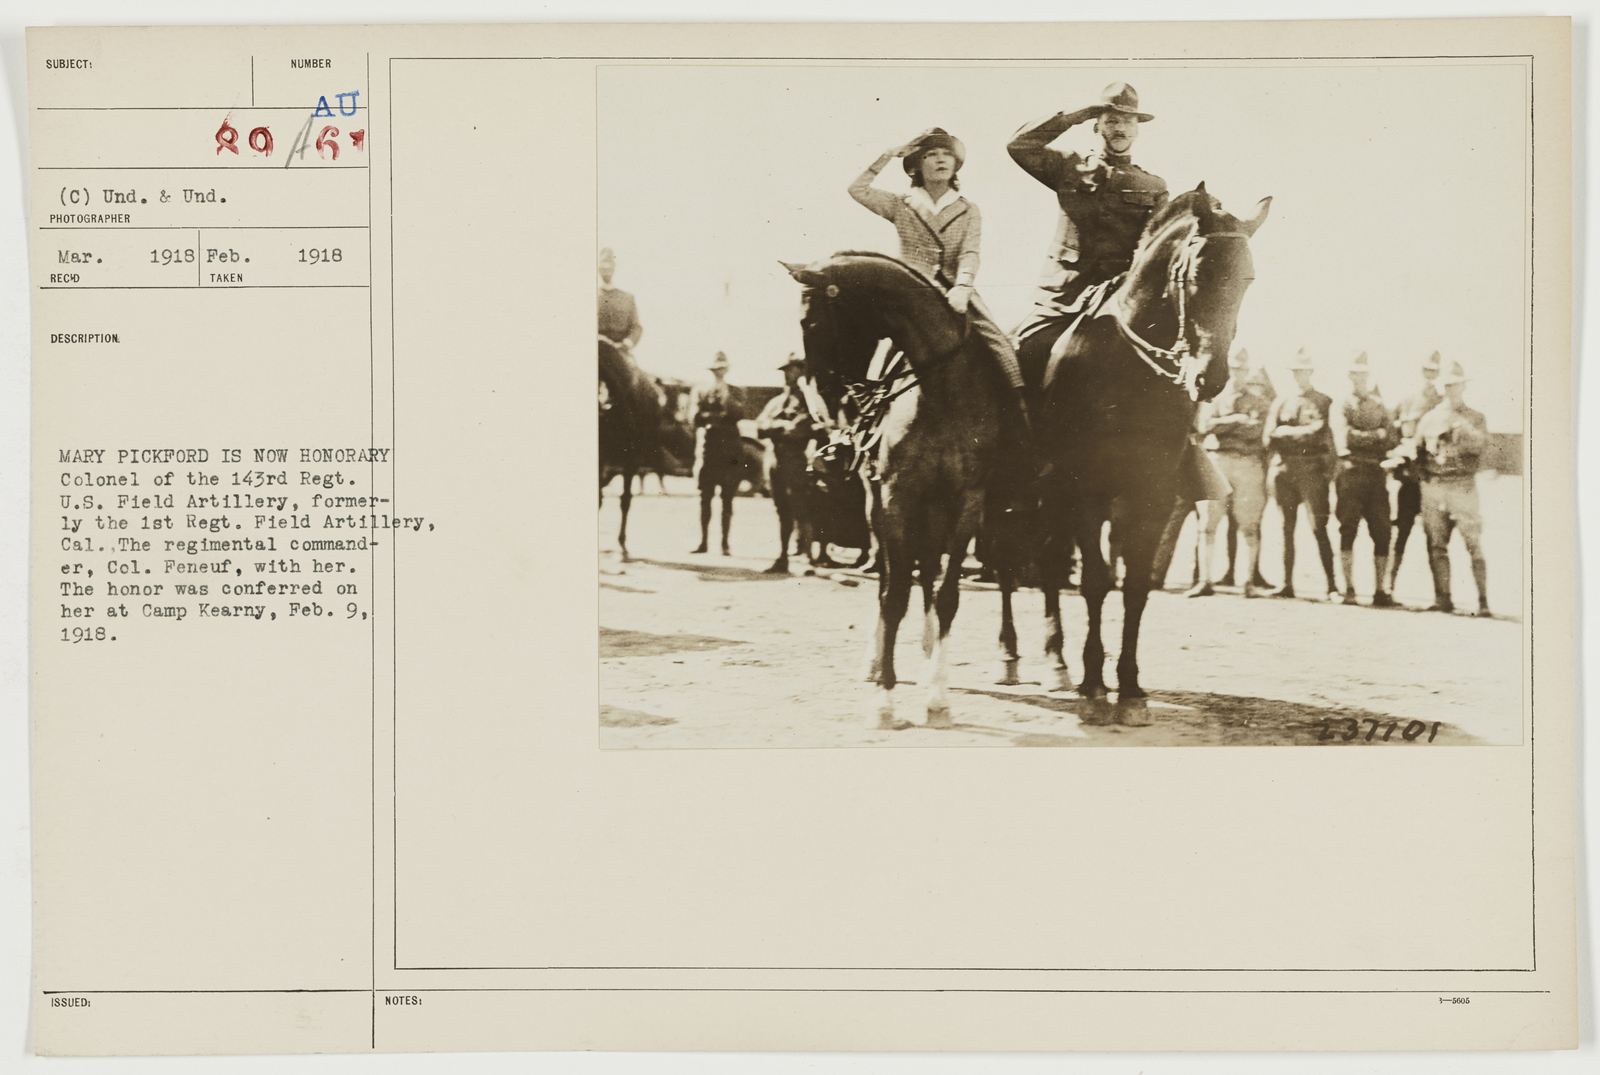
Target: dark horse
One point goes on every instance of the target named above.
(937, 445)
(630, 426)
(1118, 403)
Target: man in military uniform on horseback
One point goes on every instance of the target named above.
(619, 315)
(1105, 201)
(786, 422)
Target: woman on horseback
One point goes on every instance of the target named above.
(939, 234)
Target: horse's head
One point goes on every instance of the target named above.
(1196, 256)
(851, 301)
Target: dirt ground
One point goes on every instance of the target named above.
(708, 651)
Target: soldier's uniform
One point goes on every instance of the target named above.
(1363, 433)
(1297, 430)
(719, 460)
(1449, 445)
(786, 423)
(1408, 494)
(619, 315)
(1233, 425)
(1105, 201)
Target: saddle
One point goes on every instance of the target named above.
(1086, 306)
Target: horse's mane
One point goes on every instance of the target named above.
(874, 255)
(1174, 208)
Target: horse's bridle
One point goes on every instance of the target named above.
(1185, 371)
(873, 397)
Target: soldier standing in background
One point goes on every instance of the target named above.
(1233, 425)
(619, 316)
(1363, 433)
(719, 458)
(1297, 430)
(1408, 498)
(1448, 447)
(786, 422)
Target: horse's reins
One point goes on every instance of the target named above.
(1186, 371)
(872, 397)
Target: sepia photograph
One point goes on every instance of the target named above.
(1023, 405)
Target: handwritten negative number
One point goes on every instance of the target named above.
(1352, 728)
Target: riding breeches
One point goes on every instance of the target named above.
(1303, 481)
(1247, 503)
(1363, 494)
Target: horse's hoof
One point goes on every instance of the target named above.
(1008, 678)
(1132, 710)
(940, 718)
(882, 721)
(1063, 681)
(1093, 691)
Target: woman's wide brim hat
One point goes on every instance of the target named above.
(1121, 97)
(934, 138)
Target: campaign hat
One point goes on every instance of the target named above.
(1433, 362)
(1302, 361)
(934, 138)
(1121, 97)
(792, 360)
(1360, 364)
(1456, 375)
(719, 363)
(1240, 359)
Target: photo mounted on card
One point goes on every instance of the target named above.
(1070, 407)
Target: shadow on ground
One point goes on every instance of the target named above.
(1194, 718)
(716, 572)
(615, 643)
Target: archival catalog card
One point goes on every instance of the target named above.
(1082, 556)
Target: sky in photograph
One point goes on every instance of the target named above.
(1398, 220)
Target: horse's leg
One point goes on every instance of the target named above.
(1096, 584)
(627, 502)
(895, 595)
(1053, 560)
(948, 600)
(1005, 575)
(1140, 549)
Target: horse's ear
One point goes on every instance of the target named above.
(1262, 207)
(1202, 206)
(804, 274)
